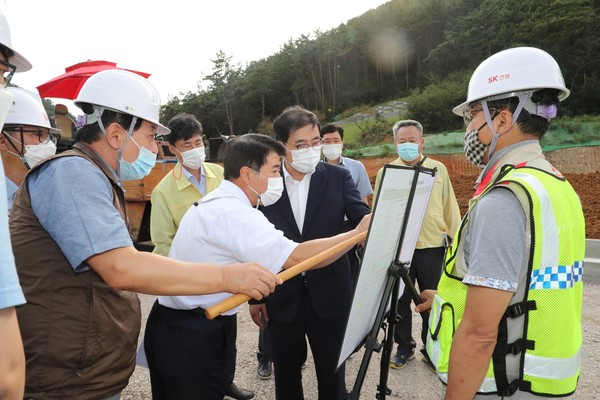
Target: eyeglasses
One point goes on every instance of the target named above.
(44, 136)
(469, 114)
(7, 70)
(303, 147)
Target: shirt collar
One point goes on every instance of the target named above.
(401, 161)
(233, 189)
(191, 178)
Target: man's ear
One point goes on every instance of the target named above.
(245, 173)
(3, 142)
(116, 135)
(504, 121)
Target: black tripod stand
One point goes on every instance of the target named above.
(396, 272)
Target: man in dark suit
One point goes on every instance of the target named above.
(314, 305)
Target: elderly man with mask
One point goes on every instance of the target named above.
(442, 218)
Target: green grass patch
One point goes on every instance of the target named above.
(583, 130)
(563, 133)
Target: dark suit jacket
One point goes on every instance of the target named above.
(332, 194)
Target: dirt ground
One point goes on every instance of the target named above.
(586, 185)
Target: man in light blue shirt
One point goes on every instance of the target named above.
(333, 144)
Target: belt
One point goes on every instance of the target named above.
(202, 312)
(199, 311)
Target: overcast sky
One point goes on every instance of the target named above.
(174, 40)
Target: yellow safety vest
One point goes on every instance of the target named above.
(550, 347)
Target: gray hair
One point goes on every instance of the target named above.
(406, 122)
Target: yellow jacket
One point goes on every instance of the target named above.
(442, 214)
(171, 199)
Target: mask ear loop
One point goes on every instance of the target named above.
(258, 201)
(523, 96)
(21, 153)
(120, 150)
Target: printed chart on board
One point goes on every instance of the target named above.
(382, 246)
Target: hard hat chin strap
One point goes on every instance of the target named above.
(97, 115)
(120, 150)
(523, 98)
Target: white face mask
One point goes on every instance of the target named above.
(193, 158)
(332, 151)
(305, 161)
(273, 193)
(36, 153)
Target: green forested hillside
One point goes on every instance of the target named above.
(421, 49)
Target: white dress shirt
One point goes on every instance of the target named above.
(225, 229)
(298, 195)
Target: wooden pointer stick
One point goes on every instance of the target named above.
(289, 273)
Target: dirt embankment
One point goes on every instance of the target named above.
(581, 166)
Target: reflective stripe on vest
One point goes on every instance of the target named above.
(554, 282)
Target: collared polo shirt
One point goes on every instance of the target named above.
(77, 210)
(223, 228)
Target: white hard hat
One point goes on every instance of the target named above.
(6, 100)
(124, 92)
(508, 72)
(17, 59)
(28, 109)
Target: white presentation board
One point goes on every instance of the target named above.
(382, 246)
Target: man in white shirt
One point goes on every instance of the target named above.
(187, 353)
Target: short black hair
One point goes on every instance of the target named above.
(250, 150)
(332, 128)
(92, 132)
(292, 119)
(183, 126)
(530, 123)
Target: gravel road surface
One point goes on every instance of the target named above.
(415, 381)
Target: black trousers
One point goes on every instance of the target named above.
(188, 355)
(288, 343)
(426, 270)
(264, 349)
